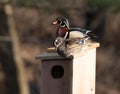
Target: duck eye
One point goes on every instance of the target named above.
(59, 21)
(57, 42)
(81, 42)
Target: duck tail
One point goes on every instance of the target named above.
(91, 35)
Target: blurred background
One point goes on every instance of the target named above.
(26, 31)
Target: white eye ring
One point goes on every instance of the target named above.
(58, 42)
(55, 43)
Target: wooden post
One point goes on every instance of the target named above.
(22, 79)
(68, 75)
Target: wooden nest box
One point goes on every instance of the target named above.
(75, 75)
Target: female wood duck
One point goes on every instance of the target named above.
(69, 47)
(60, 45)
(66, 32)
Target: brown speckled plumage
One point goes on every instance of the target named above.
(70, 47)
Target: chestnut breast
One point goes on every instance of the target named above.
(62, 31)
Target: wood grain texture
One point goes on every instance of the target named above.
(50, 85)
(84, 74)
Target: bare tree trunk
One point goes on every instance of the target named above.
(22, 80)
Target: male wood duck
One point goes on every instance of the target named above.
(66, 32)
(63, 26)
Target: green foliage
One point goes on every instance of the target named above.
(34, 2)
(93, 4)
(104, 4)
(26, 2)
